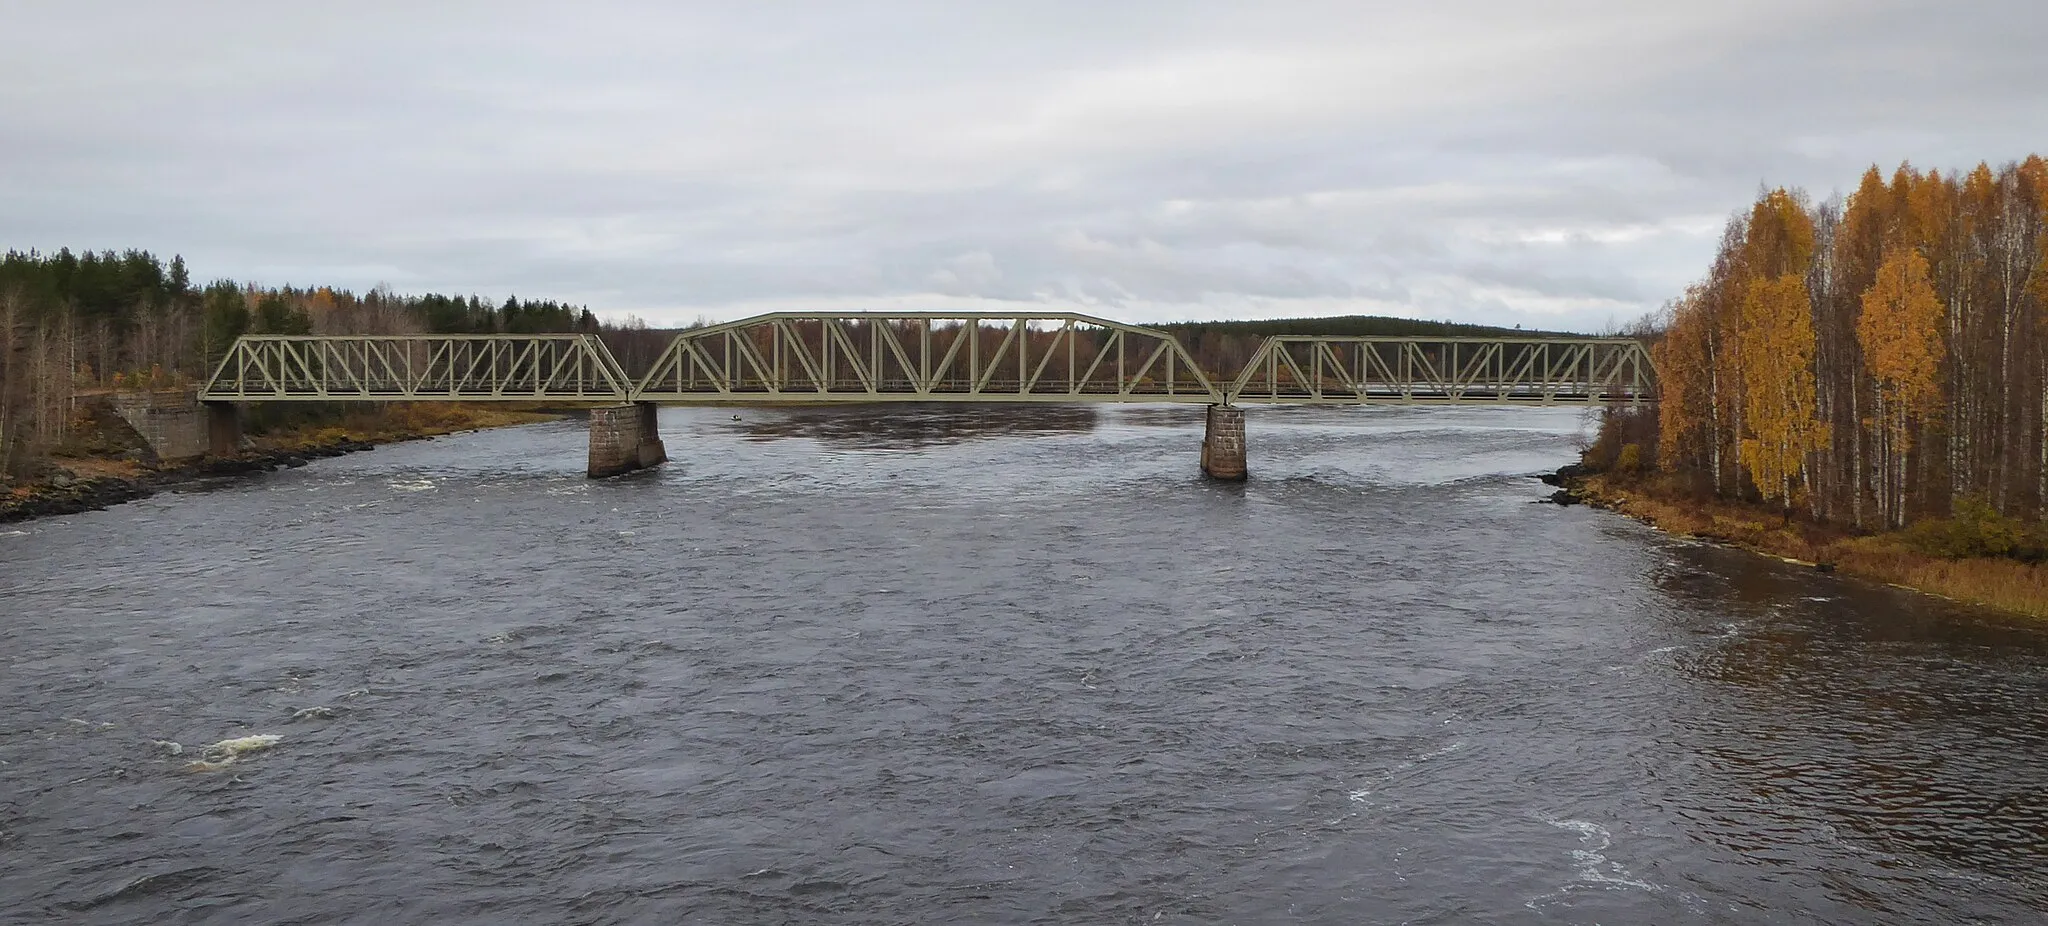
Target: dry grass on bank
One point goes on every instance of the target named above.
(1746, 526)
(1998, 582)
(102, 467)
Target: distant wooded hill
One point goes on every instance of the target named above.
(1352, 326)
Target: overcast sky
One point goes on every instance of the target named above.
(1557, 165)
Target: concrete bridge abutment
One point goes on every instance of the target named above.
(223, 428)
(624, 438)
(176, 425)
(1223, 443)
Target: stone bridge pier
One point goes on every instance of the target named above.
(624, 438)
(1223, 443)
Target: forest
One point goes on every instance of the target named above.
(74, 323)
(1866, 361)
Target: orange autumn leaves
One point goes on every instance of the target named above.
(1900, 333)
(1774, 343)
(1737, 360)
(1873, 359)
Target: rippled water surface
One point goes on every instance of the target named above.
(917, 666)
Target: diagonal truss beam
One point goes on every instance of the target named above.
(470, 368)
(797, 357)
(1518, 371)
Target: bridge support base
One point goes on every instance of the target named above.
(170, 422)
(624, 438)
(1223, 443)
(223, 429)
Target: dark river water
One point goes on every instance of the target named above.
(1016, 666)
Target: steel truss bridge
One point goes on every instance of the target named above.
(868, 357)
(810, 359)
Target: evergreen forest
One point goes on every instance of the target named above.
(75, 323)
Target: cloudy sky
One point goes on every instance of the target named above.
(1557, 165)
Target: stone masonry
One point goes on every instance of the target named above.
(624, 438)
(1223, 443)
(172, 422)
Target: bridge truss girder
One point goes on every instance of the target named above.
(794, 357)
(512, 367)
(1425, 370)
(806, 358)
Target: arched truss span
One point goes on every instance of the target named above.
(925, 357)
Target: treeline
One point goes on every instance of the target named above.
(74, 323)
(1224, 347)
(1349, 326)
(1871, 361)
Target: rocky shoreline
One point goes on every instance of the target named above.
(1568, 479)
(64, 495)
(1577, 485)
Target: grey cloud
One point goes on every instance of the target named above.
(1556, 165)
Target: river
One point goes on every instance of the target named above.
(1013, 666)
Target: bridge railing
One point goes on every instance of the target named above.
(925, 357)
(563, 367)
(1542, 371)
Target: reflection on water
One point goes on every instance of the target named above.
(910, 425)
(1891, 725)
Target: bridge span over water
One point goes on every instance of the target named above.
(879, 357)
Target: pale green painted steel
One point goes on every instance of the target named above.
(866, 357)
(1307, 369)
(806, 358)
(466, 368)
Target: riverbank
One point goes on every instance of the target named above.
(107, 466)
(1891, 557)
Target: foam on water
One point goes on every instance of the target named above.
(228, 751)
(1364, 795)
(1592, 867)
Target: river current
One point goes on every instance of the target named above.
(1024, 665)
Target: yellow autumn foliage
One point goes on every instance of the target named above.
(1900, 332)
(1779, 411)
